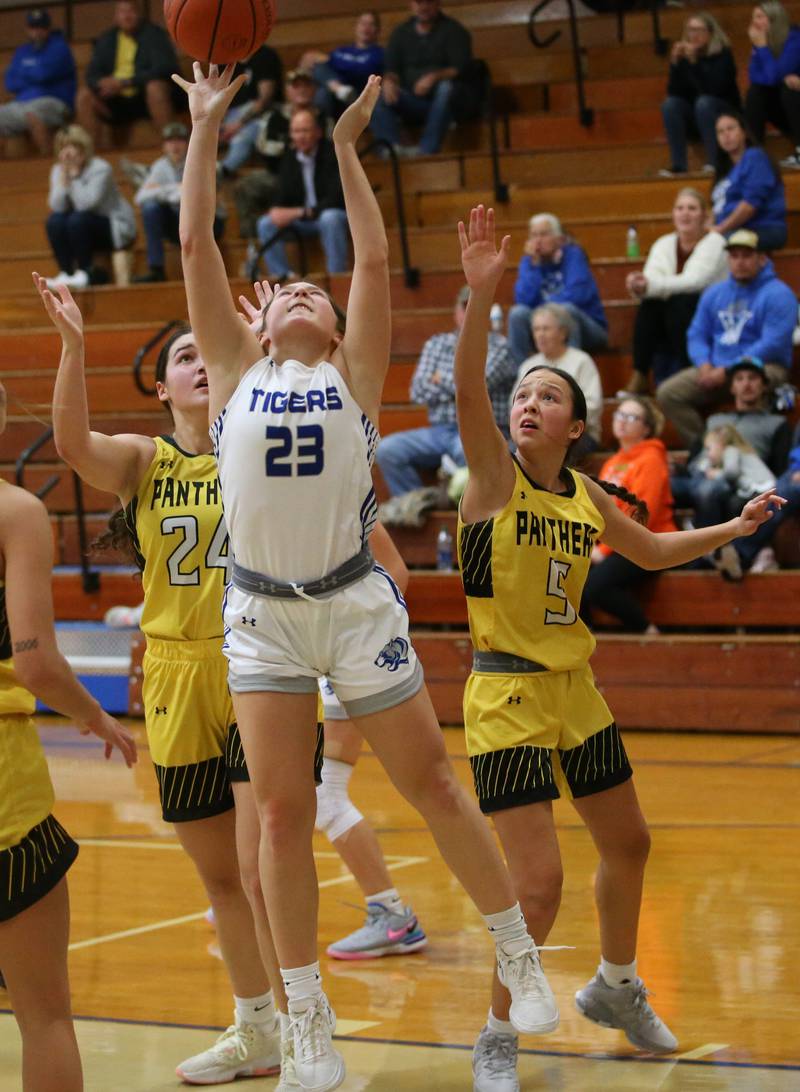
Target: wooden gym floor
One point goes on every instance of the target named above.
(718, 939)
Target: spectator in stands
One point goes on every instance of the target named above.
(758, 556)
(555, 270)
(551, 325)
(263, 88)
(309, 198)
(425, 56)
(255, 191)
(679, 266)
(128, 76)
(341, 75)
(748, 191)
(751, 313)
(640, 466)
(89, 214)
(774, 71)
(702, 81)
(403, 454)
(159, 198)
(41, 77)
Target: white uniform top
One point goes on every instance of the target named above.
(295, 451)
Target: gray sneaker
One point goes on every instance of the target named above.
(384, 933)
(494, 1063)
(627, 1009)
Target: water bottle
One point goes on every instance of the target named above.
(496, 318)
(444, 550)
(632, 242)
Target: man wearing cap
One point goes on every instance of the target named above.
(159, 198)
(403, 454)
(41, 77)
(751, 313)
(264, 77)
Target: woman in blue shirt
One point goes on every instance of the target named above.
(748, 191)
(342, 74)
(774, 71)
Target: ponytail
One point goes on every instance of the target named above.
(640, 513)
(120, 537)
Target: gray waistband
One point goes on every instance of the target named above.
(504, 663)
(355, 568)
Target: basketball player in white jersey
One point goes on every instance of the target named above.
(295, 438)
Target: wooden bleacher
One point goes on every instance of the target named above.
(723, 640)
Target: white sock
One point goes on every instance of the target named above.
(285, 1022)
(617, 975)
(509, 930)
(388, 898)
(499, 1027)
(256, 1010)
(303, 986)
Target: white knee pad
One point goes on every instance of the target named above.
(336, 813)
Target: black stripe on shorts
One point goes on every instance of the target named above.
(32, 868)
(237, 766)
(197, 790)
(513, 777)
(599, 763)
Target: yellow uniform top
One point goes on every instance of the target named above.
(524, 571)
(125, 61)
(179, 531)
(14, 698)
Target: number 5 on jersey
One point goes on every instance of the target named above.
(556, 575)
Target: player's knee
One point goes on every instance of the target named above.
(633, 847)
(435, 788)
(336, 813)
(285, 819)
(540, 895)
(250, 879)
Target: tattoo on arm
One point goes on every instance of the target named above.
(26, 646)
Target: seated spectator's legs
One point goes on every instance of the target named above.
(241, 144)
(161, 222)
(763, 104)
(433, 113)
(747, 548)
(160, 104)
(790, 101)
(75, 236)
(332, 226)
(610, 587)
(706, 111)
(385, 122)
(520, 338)
(438, 119)
(660, 327)
(38, 117)
(324, 99)
(771, 236)
(589, 334)
(402, 454)
(776, 374)
(713, 499)
(681, 397)
(677, 116)
(91, 110)
(274, 253)
(252, 195)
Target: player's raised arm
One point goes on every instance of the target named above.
(225, 343)
(491, 471)
(368, 338)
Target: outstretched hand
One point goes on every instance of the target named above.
(211, 95)
(254, 316)
(358, 114)
(481, 260)
(758, 511)
(113, 734)
(62, 311)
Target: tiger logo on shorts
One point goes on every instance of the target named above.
(393, 654)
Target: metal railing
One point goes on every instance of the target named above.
(138, 360)
(90, 578)
(585, 113)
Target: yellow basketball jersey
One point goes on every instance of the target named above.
(179, 531)
(13, 697)
(524, 571)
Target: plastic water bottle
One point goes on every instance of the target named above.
(496, 318)
(632, 242)
(444, 550)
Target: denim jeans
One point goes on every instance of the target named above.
(402, 454)
(161, 222)
(432, 112)
(330, 226)
(586, 334)
(75, 236)
(682, 118)
(714, 499)
(747, 548)
(240, 147)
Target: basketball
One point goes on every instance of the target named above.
(219, 31)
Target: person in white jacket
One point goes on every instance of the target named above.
(551, 325)
(88, 213)
(678, 268)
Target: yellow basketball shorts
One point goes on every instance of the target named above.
(532, 737)
(35, 850)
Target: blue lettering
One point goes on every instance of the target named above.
(280, 401)
(254, 400)
(334, 401)
(297, 403)
(315, 400)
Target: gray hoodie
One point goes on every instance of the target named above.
(94, 190)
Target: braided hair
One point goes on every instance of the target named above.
(640, 513)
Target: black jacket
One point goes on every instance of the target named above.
(328, 185)
(715, 75)
(155, 56)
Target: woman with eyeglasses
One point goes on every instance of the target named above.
(702, 81)
(640, 466)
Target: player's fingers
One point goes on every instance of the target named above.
(181, 82)
(462, 236)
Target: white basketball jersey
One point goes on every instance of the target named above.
(295, 451)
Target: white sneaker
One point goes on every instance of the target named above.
(244, 1050)
(725, 560)
(533, 1006)
(79, 279)
(627, 1009)
(288, 1079)
(765, 561)
(319, 1067)
(60, 278)
(494, 1063)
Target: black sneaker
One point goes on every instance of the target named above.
(154, 276)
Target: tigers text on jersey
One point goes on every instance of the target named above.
(178, 526)
(14, 698)
(295, 452)
(524, 571)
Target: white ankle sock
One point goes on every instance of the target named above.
(617, 975)
(285, 1022)
(499, 1027)
(256, 1010)
(388, 898)
(303, 985)
(508, 929)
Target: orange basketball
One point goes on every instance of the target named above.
(219, 31)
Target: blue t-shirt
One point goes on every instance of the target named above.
(752, 179)
(569, 280)
(355, 64)
(767, 69)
